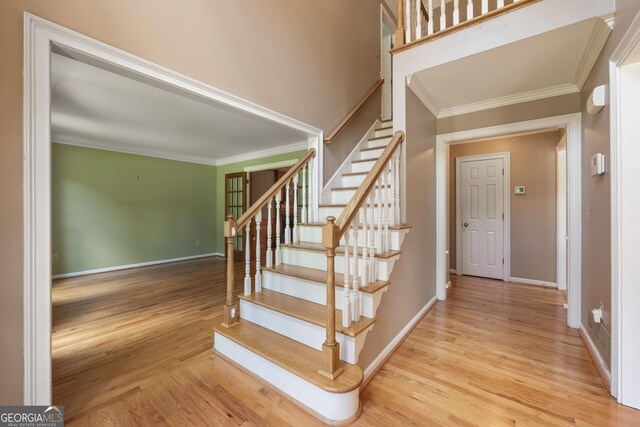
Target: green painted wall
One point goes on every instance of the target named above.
(239, 167)
(111, 209)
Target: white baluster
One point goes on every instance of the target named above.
(407, 20)
(278, 221)
(418, 19)
(485, 6)
(456, 12)
(372, 245)
(287, 209)
(295, 208)
(247, 259)
(501, 3)
(385, 212)
(269, 251)
(355, 293)
(310, 211)
(364, 275)
(469, 10)
(388, 208)
(396, 199)
(378, 200)
(346, 310)
(258, 267)
(391, 191)
(443, 15)
(304, 194)
(430, 12)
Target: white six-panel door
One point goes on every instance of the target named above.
(482, 208)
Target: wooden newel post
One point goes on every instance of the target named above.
(231, 307)
(400, 28)
(331, 348)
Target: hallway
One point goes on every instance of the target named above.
(492, 354)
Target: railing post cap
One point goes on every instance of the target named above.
(330, 233)
(230, 227)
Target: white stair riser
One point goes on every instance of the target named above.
(333, 406)
(298, 330)
(314, 234)
(379, 142)
(371, 154)
(342, 196)
(335, 211)
(363, 166)
(352, 180)
(384, 132)
(316, 292)
(318, 260)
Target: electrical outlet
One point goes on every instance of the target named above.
(197, 242)
(54, 257)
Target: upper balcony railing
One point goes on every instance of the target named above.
(418, 25)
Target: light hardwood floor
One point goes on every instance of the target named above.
(133, 348)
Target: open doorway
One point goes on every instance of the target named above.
(503, 208)
(387, 30)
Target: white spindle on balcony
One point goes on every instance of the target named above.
(500, 3)
(430, 13)
(418, 15)
(269, 252)
(346, 310)
(278, 221)
(247, 259)
(456, 12)
(355, 292)
(258, 286)
(443, 15)
(485, 6)
(407, 20)
(469, 9)
(295, 208)
(287, 210)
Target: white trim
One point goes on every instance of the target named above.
(534, 95)
(506, 203)
(268, 166)
(574, 153)
(561, 214)
(533, 282)
(333, 406)
(136, 265)
(259, 154)
(39, 38)
(375, 364)
(618, 380)
(423, 95)
(453, 271)
(602, 366)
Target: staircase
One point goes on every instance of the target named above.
(303, 320)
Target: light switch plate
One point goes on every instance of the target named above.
(520, 190)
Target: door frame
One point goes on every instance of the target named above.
(506, 223)
(40, 37)
(561, 215)
(623, 246)
(386, 19)
(573, 125)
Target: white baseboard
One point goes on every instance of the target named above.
(533, 282)
(596, 356)
(375, 364)
(140, 264)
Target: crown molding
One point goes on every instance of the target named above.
(259, 154)
(423, 95)
(597, 39)
(534, 95)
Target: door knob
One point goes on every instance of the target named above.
(465, 224)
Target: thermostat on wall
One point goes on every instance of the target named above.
(597, 164)
(520, 190)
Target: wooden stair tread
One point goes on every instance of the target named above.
(320, 276)
(355, 188)
(320, 224)
(375, 138)
(313, 246)
(364, 160)
(354, 173)
(299, 359)
(305, 310)
(385, 127)
(342, 205)
(373, 148)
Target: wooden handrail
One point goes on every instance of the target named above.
(471, 22)
(329, 139)
(262, 201)
(352, 208)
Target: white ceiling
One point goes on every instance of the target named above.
(102, 109)
(550, 64)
